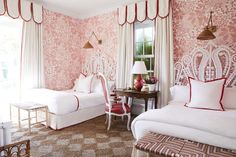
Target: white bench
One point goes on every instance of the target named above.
(30, 107)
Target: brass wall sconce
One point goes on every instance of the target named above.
(88, 45)
(207, 33)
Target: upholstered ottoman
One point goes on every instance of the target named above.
(155, 144)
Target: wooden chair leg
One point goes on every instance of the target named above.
(36, 115)
(19, 119)
(29, 121)
(128, 122)
(122, 118)
(46, 116)
(109, 122)
(106, 119)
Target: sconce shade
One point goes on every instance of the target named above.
(88, 45)
(206, 35)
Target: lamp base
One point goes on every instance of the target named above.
(138, 83)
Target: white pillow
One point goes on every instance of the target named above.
(84, 84)
(180, 93)
(97, 85)
(206, 95)
(229, 98)
(77, 81)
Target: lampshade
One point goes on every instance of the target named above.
(88, 45)
(206, 35)
(139, 68)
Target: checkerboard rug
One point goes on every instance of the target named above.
(87, 139)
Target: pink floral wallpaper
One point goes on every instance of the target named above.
(64, 37)
(106, 28)
(63, 40)
(190, 17)
(61, 46)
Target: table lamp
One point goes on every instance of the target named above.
(139, 68)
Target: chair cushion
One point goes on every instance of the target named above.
(117, 108)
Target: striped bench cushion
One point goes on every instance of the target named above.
(175, 147)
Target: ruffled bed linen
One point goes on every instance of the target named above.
(216, 128)
(64, 102)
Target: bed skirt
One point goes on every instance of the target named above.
(57, 122)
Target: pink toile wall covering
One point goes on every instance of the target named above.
(64, 38)
(189, 19)
(191, 16)
(61, 39)
(101, 57)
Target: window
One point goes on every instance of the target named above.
(10, 49)
(144, 44)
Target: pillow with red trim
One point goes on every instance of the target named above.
(206, 95)
(229, 98)
(83, 84)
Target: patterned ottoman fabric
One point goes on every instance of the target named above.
(175, 147)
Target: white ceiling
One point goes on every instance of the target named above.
(84, 8)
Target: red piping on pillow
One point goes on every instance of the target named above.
(222, 93)
(202, 108)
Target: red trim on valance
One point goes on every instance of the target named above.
(4, 7)
(146, 12)
(21, 13)
(32, 11)
(6, 10)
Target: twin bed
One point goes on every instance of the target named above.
(204, 126)
(68, 107)
(213, 127)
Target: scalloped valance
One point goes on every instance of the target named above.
(22, 9)
(142, 10)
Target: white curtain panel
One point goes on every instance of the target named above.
(125, 56)
(32, 73)
(164, 57)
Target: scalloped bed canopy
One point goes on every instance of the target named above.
(22, 9)
(143, 10)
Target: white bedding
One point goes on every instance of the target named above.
(204, 126)
(64, 102)
(89, 100)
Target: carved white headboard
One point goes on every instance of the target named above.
(100, 62)
(207, 63)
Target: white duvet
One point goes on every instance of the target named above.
(212, 127)
(63, 102)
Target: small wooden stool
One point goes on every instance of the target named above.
(30, 107)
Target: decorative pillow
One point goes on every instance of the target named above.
(229, 98)
(84, 84)
(180, 93)
(97, 85)
(77, 81)
(206, 95)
